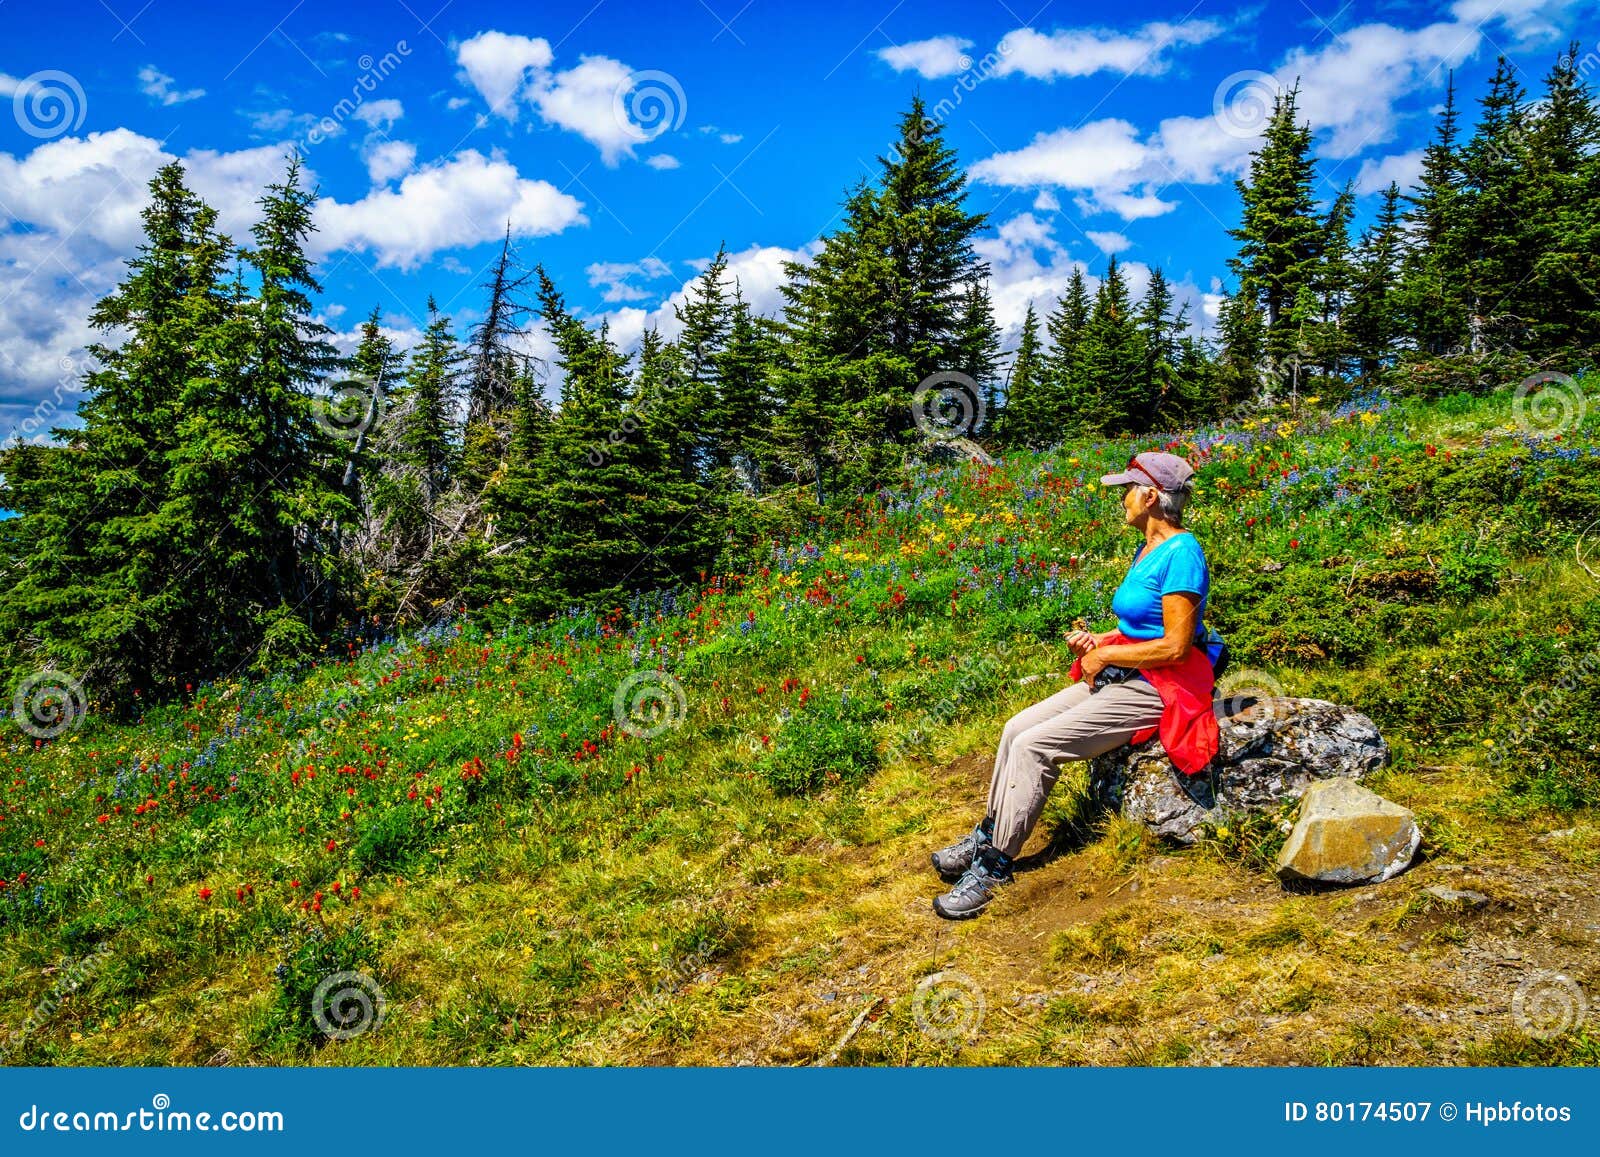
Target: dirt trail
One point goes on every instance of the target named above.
(1163, 956)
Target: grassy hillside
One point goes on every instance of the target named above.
(694, 830)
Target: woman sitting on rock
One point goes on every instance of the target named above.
(1146, 677)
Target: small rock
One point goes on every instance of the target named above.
(1348, 834)
(1458, 896)
(830, 997)
(1272, 566)
(1026, 679)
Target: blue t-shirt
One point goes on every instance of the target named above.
(1175, 564)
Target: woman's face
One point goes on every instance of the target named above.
(1132, 502)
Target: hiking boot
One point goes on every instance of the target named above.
(972, 893)
(950, 862)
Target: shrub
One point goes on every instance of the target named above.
(819, 748)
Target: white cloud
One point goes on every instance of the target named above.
(1103, 161)
(1377, 172)
(465, 200)
(932, 58)
(500, 67)
(387, 160)
(598, 98)
(70, 217)
(1027, 266)
(662, 161)
(1349, 87)
(616, 277)
(584, 100)
(157, 85)
(1085, 51)
(730, 138)
(1351, 90)
(1530, 21)
(1108, 242)
(379, 114)
(758, 271)
(1046, 202)
(285, 122)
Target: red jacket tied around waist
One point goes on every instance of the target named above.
(1188, 726)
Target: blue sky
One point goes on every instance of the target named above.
(624, 142)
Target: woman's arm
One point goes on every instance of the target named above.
(1178, 618)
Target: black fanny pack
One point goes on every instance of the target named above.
(1205, 638)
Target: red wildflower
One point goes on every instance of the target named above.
(205, 893)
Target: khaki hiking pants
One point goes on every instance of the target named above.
(1071, 724)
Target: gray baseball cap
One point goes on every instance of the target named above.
(1153, 468)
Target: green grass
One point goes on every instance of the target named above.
(546, 879)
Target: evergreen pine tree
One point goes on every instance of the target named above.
(1112, 356)
(1280, 233)
(1563, 215)
(1498, 261)
(1373, 318)
(1430, 299)
(1027, 413)
(1159, 329)
(1076, 398)
(978, 352)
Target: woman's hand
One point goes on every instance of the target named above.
(1082, 642)
(1090, 665)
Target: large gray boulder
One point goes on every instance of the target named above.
(1272, 747)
